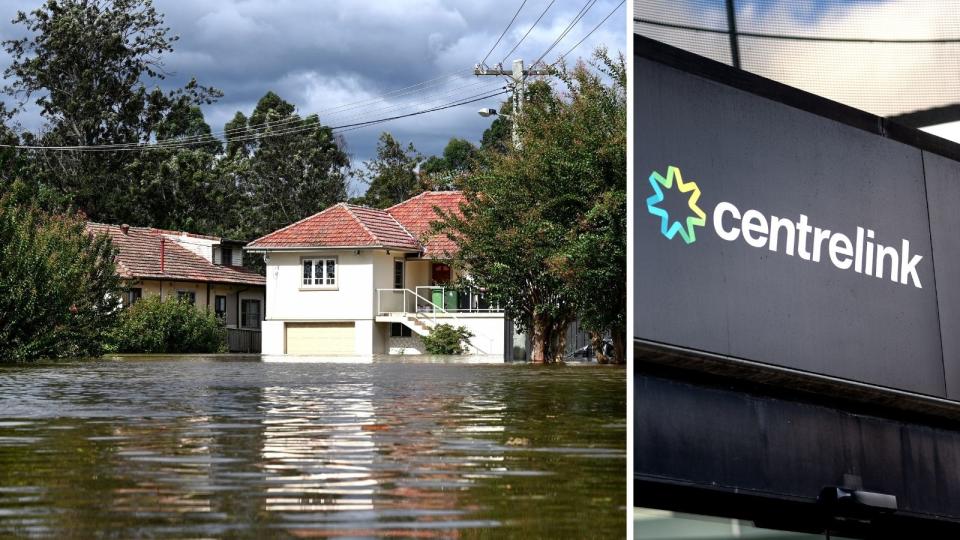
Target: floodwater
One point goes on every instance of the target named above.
(221, 446)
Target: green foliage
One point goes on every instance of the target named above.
(58, 285)
(447, 339)
(544, 229)
(282, 179)
(91, 68)
(392, 175)
(443, 173)
(173, 326)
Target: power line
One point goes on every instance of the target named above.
(344, 127)
(535, 23)
(504, 31)
(251, 132)
(583, 11)
(789, 37)
(584, 38)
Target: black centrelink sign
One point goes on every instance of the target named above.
(779, 235)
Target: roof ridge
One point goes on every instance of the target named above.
(269, 234)
(406, 230)
(363, 225)
(417, 196)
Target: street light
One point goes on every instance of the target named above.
(487, 112)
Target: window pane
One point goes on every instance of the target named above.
(331, 271)
(307, 272)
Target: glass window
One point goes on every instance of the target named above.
(250, 313)
(398, 274)
(188, 296)
(220, 306)
(134, 295)
(400, 330)
(320, 272)
(226, 256)
(307, 272)
(330, 277)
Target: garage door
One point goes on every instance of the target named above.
(320, 339)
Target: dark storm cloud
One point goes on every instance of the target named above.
(320, 55)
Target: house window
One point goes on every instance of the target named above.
(250, 313)
(400, 330)
(397, 274)
(320, 272)
(188, 296)
(134, 295)
(226, 256)
(220, 306)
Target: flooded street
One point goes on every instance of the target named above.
(235, 447)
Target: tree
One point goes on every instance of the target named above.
(443, 173)
(543, 228)
(392, 175)
(88, 65)
(59, 291)
(282, 176)
(171, 326)
(595, 260)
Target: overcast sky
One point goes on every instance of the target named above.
(882, 78)
(322, 54)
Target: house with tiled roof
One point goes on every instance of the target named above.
(353, 280)
(207, 271)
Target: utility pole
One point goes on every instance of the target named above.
(517, 83)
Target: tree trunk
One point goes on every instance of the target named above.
(539, 340)
(549, 336)
(619, 336)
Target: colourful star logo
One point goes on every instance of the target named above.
(669, 227)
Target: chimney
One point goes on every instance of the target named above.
(163, 246)
(125, 229)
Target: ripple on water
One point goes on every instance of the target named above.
(210, 447)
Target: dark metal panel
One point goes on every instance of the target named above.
(734, 299)
(943, 188)
(782, 449)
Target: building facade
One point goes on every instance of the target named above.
(796, 283)
(352, 280)
(207, 271)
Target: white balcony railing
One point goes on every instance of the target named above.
(453, 300)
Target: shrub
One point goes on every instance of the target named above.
(173, 326)
(59, 291)
(445, 339)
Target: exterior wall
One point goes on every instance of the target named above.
(488, 331)
(417, 274)
(405, 345)
(272, 337)
(382, 275)
(168, 289)
(201, 246)
(353, 298)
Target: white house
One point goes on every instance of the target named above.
(352, 280)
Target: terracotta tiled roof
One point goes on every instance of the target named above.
(418, 213)
(139, 257)
(402, 226)
(341, 225)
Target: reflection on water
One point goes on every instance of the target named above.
(341, 447)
